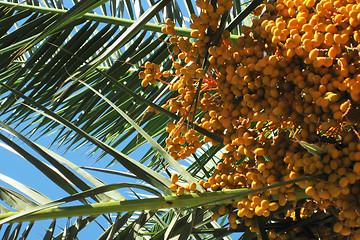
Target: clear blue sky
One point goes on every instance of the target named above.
(21, 170)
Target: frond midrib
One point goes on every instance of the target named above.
(185, 32)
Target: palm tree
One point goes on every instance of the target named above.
(71, 69)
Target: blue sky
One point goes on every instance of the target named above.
(21, 170)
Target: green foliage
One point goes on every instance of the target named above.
(74, 73)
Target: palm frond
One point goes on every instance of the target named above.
(71, 70)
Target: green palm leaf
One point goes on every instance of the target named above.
(73, 73)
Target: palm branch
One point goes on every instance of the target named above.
(52, 56)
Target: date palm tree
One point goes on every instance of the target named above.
(70, 68)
